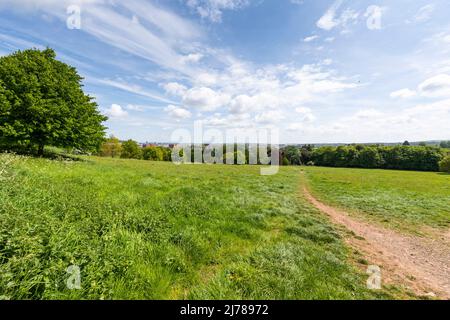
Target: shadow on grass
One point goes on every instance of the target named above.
(49, 153)
(444, 173)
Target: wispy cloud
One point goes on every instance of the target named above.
(213, 9)
(129, 87)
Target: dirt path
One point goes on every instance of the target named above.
(422, 264)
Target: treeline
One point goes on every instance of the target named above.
(405, 157)
(418, 158)
(445, 144)
(130, 149)
(237, 154)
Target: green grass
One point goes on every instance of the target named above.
(147, 230)
(403, 200)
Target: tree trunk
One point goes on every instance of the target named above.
(41, 150)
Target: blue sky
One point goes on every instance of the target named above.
(318, 70)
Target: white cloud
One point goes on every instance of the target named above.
(368, 114)
(268, 117)
(311, 38)
(437, 86)
(212, 9)
(425, 13)
(172, 25)
(296, 126)
(261, 101)
(129, 87)
(205, 79)
(175, 88)
(192, 58)
(17, 43)
(205, 99)
(441, 39)
(403, 94)
(177, 112)
(133, 107)
(242, 104)
(306, 114)
(116, 112)
(348, 16)
(136, 27)
(421, 122)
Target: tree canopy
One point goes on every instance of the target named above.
(131, 150)
(444, 164)
(111, 148)
(42, 103)
(382, 157)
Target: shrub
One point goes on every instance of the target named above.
(111, 148)
(444, 165)
(153, 153)
(131, 150)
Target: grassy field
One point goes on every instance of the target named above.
(147, 230)
(403, 200)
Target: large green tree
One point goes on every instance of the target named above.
(42, 103)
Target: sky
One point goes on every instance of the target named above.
(319, 71)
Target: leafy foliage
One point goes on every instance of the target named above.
(153, 153)
(111, 148)
(445, 144)
(131, 150)
(444, 165)
(42, 103)
(381, 157)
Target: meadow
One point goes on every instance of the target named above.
(154, 230)
(409, 201)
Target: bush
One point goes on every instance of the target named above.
(444, 165)
(153, 153)
(286, 162)
(131, 150)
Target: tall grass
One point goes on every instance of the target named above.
(148, 230)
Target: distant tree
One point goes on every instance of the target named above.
(153, 153)
(445, 144)
(239, 157)
(167, 154)
(398, 157)
(42, 103)
(423, 144)
(306, 153)
(293, 155)
(111, 148)
(285, 162)
(444, 164)
(131, 150)
(406, 143)
(369, 157)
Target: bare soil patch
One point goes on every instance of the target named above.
(421, 264)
